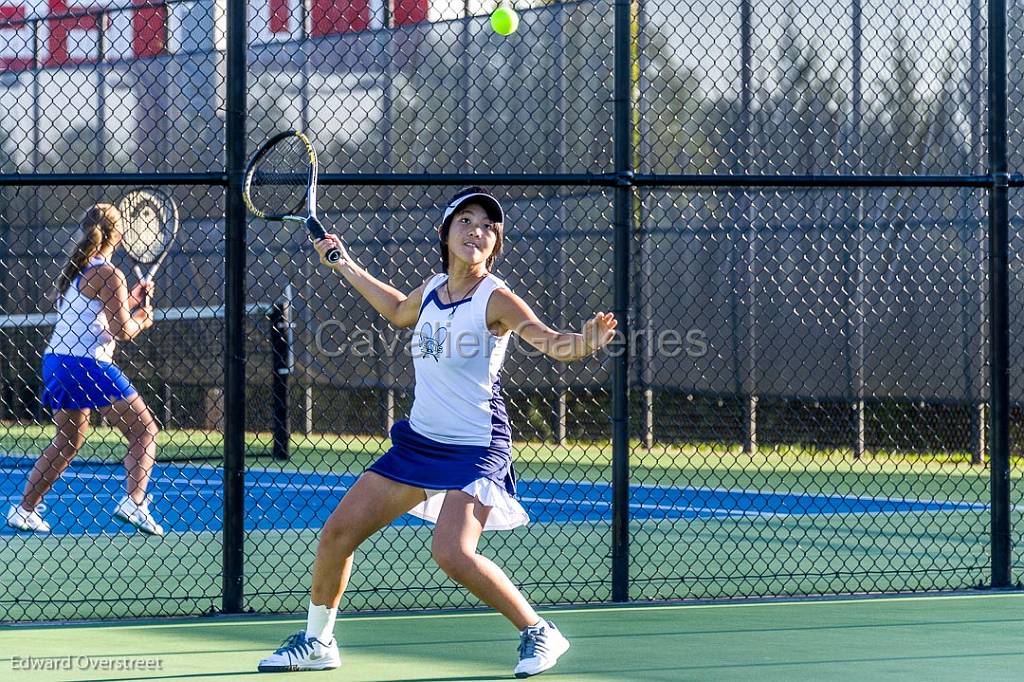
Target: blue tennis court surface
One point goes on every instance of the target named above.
(188, 498)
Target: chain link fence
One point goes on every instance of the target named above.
(789, 207)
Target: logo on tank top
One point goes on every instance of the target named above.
(432, 342)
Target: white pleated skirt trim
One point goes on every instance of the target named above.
(506, 512)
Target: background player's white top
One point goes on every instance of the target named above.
(82, 328)
(457, 360)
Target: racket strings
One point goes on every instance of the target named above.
(279, 181)
(147, 229)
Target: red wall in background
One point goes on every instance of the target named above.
(409, 11)
(149, 25)
(341, 16)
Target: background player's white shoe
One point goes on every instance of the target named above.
(138, 515)
(23, 519)
(298, 653)
(539, 649)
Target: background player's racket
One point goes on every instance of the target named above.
(280, 184)
(149, 220)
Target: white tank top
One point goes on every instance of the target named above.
(457, 397)
(82, 328)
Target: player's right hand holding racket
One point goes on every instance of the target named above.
(141, 301)
(280, 184)
(141, 293)
(330, 244)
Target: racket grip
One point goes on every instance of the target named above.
(317, 232)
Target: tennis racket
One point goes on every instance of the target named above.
(280, 184)
(149, 220)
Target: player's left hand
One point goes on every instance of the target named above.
(599, 331)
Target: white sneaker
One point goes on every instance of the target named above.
(539, 649)
(298, 653)
(22, 519)
(137, 515)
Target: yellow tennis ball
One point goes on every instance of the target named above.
(504, 21)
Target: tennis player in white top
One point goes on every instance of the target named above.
(94, 310)
(451, 462)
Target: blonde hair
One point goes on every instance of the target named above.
(99, 229)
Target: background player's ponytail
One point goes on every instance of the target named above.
(99, 228)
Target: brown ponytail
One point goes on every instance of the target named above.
(99, 228)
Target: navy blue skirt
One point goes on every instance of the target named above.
(426, 463)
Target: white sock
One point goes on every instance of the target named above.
(320, 623)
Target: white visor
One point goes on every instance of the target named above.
(489, 203)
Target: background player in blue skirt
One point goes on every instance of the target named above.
(95, 309)
(451, 462)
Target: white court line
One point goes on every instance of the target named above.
(191, 483)
(639, 506)
(244, 620)
(961, 506)
(544, 500)
(757, 491)
(742, 491)
(188, 485)
(715, 512)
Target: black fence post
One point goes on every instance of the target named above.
(234, 311)
(747, 294)
(999, 295)
(623, 234)
(281, 352)
(859, 257)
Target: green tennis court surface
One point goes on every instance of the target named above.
(564, 561)
(917, 638)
